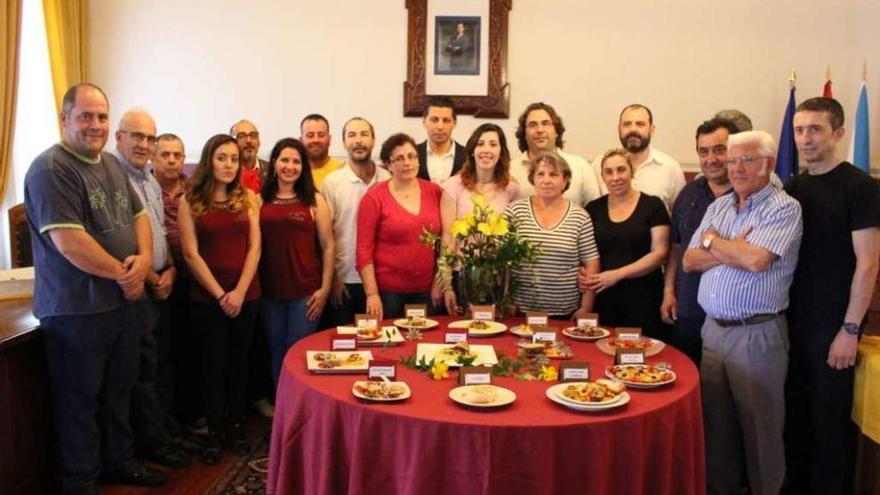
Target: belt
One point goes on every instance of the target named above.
(749, 320)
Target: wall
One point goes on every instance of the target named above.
(201, 65)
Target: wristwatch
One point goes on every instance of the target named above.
(852, 328)
(707, 242)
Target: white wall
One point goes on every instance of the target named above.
(201, 65)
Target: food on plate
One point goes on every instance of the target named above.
(552, 349)
(369, 333)
(639, 373)
(380, 390)
(478, 325)
(587, 331)
(461, 350)
(601, 390)
(640, 343)
(525, 330)
(330, 360)
(416, 321)
(481, 394)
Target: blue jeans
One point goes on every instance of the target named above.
(393, 302)
(286, 322)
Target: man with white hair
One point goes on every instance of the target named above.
(747, 248)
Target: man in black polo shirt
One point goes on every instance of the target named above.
(830, 294)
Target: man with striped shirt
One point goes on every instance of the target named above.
(747, 248)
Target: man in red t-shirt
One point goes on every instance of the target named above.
(253, 169)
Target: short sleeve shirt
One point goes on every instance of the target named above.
(64, 190)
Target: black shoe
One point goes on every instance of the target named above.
(184, 444)
(87, 489)
(133, 473)
(212, 453)
(169, 456)
(236, 442)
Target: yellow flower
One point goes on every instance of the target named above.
(440, 370)
(460, 228)
(470, 220)
(548, 373)
(494, 225)
(478, 200)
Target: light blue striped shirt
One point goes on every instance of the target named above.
(729, 293)
(150, 193)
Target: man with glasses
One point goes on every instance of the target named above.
(343, 190)
(540, 128)
(680, 307)
(92, 248)
(831, 292)
(747, 248)
(253, 169)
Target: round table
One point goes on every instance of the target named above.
(324, 440)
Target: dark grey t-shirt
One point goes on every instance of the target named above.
(62, 190)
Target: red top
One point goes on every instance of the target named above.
(290, 266)
(171, 203)
(388, 237)
(223, 244)
(250, 178)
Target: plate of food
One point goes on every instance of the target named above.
(373, 335)
(522, 330)
(417, 322)
(589, 396)
(482, 395)
(611, 344)
(381, 391)
(554, 350)
(641, 375)
(455, 354)
(587, 332)
(480, 328)
(338, 362)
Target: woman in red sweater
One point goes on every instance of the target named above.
(220, 238)
(296, 274)
(395, 266)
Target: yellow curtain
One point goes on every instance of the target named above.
(10, 34)
(67, 34)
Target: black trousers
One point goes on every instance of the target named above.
(820, 436)
(93, 365)
(224, 345)
(184, 354)
(686, 337)
(150, 401)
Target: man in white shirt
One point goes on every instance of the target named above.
(540, 129)
(343, 190)
(656, 173)
(440, 157)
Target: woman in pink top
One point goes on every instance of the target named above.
(485, 174)
(395, 266)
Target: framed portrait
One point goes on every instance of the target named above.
(458, 48)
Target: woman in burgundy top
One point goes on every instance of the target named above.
(220, 237)
(296, 275)
(395, 266)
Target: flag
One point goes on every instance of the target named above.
(826, 91)
(787, 157)
(860, 146)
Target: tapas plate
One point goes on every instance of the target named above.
(651, 347)
(641, 375)
(368, 336)
(381, 391)
(522, 330)
(482, 395)
(425, 324)
(556, 394)
(480, 328)
(588, 334)
(483, 354)
(338, 361)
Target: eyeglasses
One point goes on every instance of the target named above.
(244, 135)
(401, 159)
(140, 136)
(745, 159)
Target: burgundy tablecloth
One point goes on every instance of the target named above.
(326, 441)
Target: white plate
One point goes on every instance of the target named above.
(407, 393)
(633, 384)
(494, 328)
(656, 347)
(554, 394)
(395, 339)
(558, 390)
(429, 324)
(361, 367)
(521, 331)
(463, 395)
(568, 333)
(485, 353)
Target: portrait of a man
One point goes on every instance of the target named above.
(457, 45)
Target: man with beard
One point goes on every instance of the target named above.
(680, 307)
(92, 249)
(656, 173)
(343, 190)
(540, 128)
(832, 289)
(253, 169)
(314, 133)
(150, 407)
(439, 156)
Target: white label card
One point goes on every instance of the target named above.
(367, 323)
(454, 338)
(588, 322)
(628, 336)
(536, 320)
(576, 374)
(343, 344)
(544, 337)
(483, 315)
(477, 378)
(634, 358)
(378, 371)
(416, 312)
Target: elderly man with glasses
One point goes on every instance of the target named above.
(747, 248)
(253, 169)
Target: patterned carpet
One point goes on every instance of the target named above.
(247, 475)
